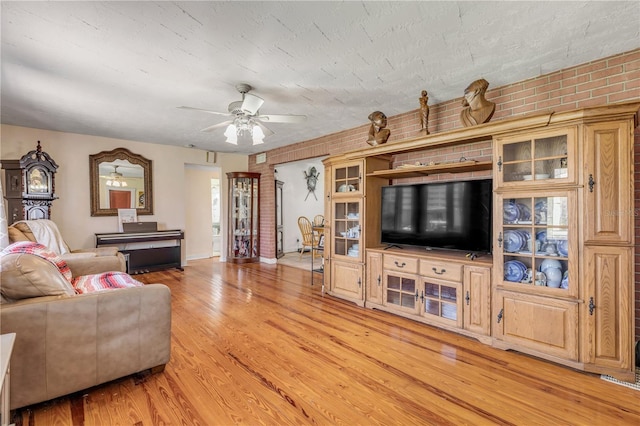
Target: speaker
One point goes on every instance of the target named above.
(211, 156)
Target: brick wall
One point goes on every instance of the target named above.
(604, 81)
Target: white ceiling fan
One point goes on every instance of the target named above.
(247, 117)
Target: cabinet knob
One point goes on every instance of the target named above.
(359, 282)
(440, 272)
(592, 306)
(379, 280)
(400, 265)
(500, 239)
(467, 298)
(499, 163)
(500, 314)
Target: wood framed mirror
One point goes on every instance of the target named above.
(120, 179)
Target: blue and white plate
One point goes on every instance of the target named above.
(540, 211)
(563, 247)
(526, 236)
(511, 212)
(514, 270)
(512, 241)
(565, 280)
(525, 212)
(541, 236)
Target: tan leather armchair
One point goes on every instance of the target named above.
(82, 261)
(67, 342)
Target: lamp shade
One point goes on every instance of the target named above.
(258, 135)
(231, 134)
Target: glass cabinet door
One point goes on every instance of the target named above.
(441, 301)
(401, 291)
(536, 241)
(549, 156)
(347, 229)
(243, 217)
(347, 178)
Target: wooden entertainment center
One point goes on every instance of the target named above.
(559, 282)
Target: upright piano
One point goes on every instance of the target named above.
(146, 251)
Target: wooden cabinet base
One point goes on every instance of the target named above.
(441, 288)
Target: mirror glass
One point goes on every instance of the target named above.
(120, 180)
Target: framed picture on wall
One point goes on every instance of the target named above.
(126, 216)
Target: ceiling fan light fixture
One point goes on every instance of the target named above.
(116, 179)
(257, 134)
(232, 134)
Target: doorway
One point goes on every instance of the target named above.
(203, 212)
(216, 211)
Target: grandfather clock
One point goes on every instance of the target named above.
(30, 186)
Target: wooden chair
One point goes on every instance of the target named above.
(318, 220)
(308, 237)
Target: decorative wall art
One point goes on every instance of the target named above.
(312, 181)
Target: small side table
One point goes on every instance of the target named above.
(6, 347)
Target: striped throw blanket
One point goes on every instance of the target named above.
(82, 284)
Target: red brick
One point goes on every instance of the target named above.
(576, 80)
(627, 95)
(524, 109)
(633, 84)
(632, 75)
(608, 89)
(594, 84)
(632, 66)
(591, 67)
(548, 87)
(631, 56)
(507, 90)
(576, 97)
(548, 104)
(563, 92)
(607, 72)
(540, 81)
(592, 102)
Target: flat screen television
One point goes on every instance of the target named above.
(440, 215)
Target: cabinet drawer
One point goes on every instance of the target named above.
(401, 263)
(441, 270)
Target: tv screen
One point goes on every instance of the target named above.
(446, 215)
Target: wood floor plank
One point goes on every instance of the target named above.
(256, 344)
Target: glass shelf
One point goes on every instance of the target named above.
(535, 241)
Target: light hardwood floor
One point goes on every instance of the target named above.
(256, 344)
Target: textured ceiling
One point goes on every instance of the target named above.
(120, 69)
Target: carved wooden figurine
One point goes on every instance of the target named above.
(424, 112)
(378, 134)
(477, 109)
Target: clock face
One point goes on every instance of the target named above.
(37, 181)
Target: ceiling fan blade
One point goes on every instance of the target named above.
(265, 129)
(282, 118)
(251, 103)
(217, 126)
(206, 110)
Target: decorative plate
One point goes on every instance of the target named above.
(511, 212)
(514, 270)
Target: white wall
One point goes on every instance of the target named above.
(71, 151)
(294, 194)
